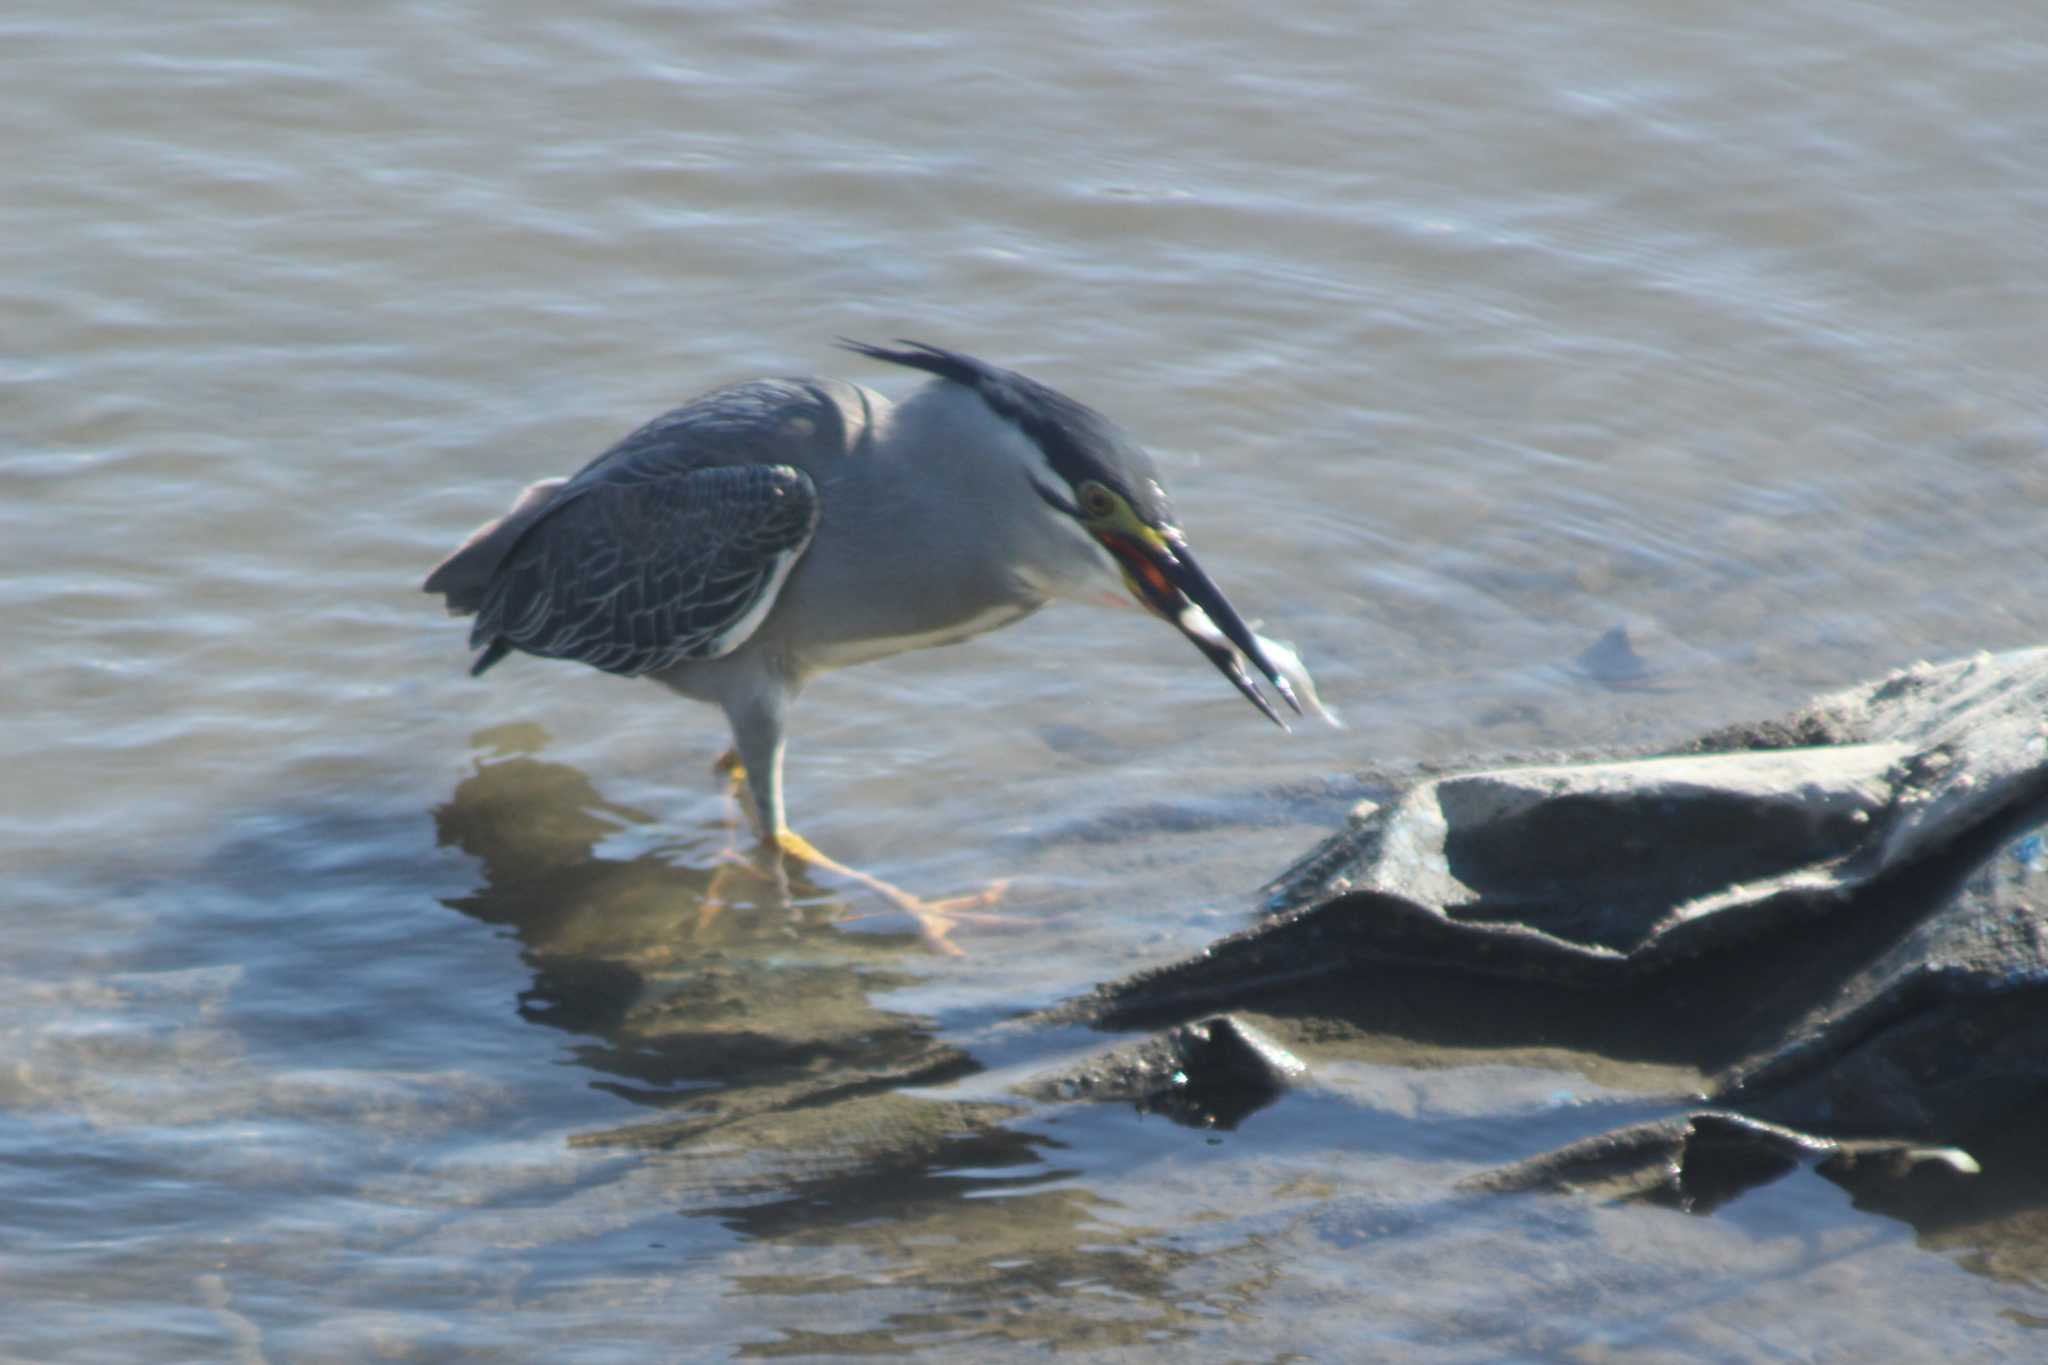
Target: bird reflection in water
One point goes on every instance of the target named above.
(623, 955)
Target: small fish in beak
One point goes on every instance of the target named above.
(1197, 626)
(1163, 575)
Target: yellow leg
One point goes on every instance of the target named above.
(935, 918)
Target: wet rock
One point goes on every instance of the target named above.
(1208, 1074)
(1947, 1026)
(1839, 917)
(1639, 862)
(1700, 1161)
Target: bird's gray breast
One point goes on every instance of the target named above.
(928, 534)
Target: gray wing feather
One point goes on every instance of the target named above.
(671, 545)
(635, 575)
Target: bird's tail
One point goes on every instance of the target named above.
(491, 653)
(463, 577)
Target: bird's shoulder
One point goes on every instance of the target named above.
(802, 423)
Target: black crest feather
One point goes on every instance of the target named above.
(1079, 442)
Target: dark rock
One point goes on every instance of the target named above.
(1208, 1074)
(1699, 1161)
(1841, 914)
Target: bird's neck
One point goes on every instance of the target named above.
(971, 474)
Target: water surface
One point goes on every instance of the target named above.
(1464, 334)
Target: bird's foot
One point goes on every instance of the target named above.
(935, 918)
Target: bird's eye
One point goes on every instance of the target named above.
(1096, 500)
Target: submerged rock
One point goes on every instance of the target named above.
(1701, 1160)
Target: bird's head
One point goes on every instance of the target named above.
(1087, 471)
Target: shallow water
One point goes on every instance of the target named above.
(1464, 335)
